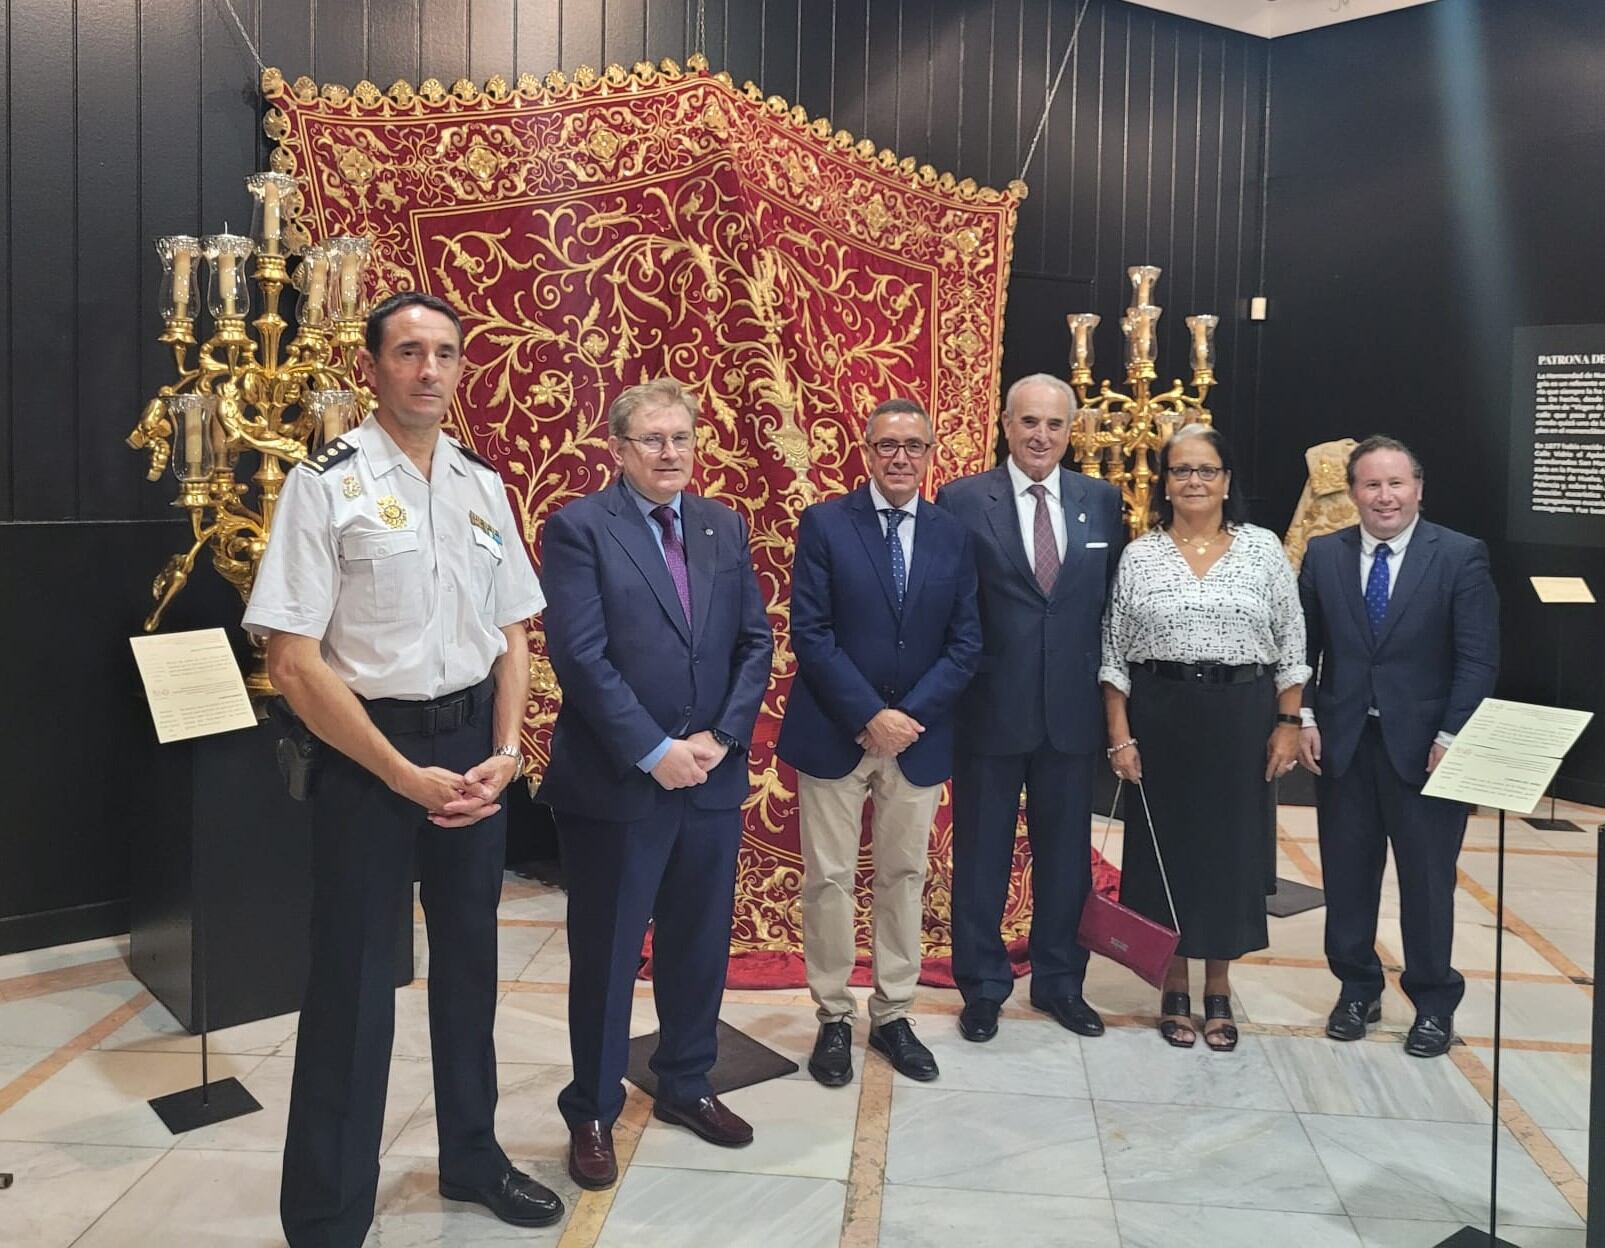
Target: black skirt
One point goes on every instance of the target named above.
(1203, 766)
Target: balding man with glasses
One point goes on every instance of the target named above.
(885, 630)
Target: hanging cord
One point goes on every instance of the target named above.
(240, 26)
(702, 33)
(1164, 876)
(1054, 90)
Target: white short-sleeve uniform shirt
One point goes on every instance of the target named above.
(406, 582)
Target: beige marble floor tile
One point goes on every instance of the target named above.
(1371, 1080)
(1149, 1225)
(542, 901)
(155, 1030)
(550, 963)
(1127, 1064)
(527, 1122)
(51, 1020)
(799, 1129)
(1531, 1011)
(1397, 1233)
(99, 1098)
(1551, 1087)
(196, 1198)
(61, 1189)
(55, 957)
(663, 1208)
(410, 1212)
(1301, 997)
(923, 1217)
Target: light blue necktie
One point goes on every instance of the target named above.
(1376, 589)
(894, 517)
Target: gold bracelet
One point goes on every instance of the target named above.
(1115, 749)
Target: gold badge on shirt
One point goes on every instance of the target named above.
(392, 512)
(350, 486)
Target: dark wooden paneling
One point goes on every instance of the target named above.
(850, 66)
(443, 39)
(6, 354)
(944, 29)
(492, 40)
(623, 32)
(777, 73)
(539, 50)
(669, 28)
(393, 35)
(339, 43)
(285, 34)
(581, 35)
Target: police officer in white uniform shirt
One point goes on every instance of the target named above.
(394, 594)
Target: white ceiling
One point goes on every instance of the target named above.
(1269, 18)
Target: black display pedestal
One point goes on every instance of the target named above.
(230, 861)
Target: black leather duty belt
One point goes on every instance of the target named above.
(1206, 673)
(397, 717)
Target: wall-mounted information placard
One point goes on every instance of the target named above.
(1557, 443)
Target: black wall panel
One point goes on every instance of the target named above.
(126, 122)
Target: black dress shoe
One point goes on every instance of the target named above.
(514, 1198)
(978, 1021)
(1348, 1019)
(591, 1162)
(903, 1050)
(708, 1118)
(832, 1060)
(1430, 1035)
(1073, 1013)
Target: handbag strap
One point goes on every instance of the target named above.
(1109, 823)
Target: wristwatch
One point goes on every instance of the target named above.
(512, 752)
(724, 739)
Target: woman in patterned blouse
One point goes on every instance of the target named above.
(1203, 665)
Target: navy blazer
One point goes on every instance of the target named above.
(1436, 658)
(630, 671)
(1039, 663)
(857, 653)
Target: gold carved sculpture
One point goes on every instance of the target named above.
(242, 396)
(1115, 435)
(1325, 505)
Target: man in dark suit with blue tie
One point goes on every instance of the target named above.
(657, 633)
(1403, 626)
(1047, 541)
(884, 626)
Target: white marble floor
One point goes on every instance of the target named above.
(1036, 1138)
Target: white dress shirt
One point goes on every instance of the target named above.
(1025, 504)
(905, 529)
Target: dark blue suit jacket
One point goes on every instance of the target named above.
(858, 654)
(630, 671)
(1436, 658)
(1039, 664)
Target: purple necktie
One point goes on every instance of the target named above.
(1046, 555)
(674, 556)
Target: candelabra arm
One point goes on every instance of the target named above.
(175, 575)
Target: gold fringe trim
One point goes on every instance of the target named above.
(402, 98)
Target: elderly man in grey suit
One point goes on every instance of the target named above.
(1047, 541)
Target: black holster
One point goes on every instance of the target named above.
(299, 752)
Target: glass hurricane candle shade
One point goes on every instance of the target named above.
(1144, 277)
(348, 262)
(191, 418)
(334, 410)
(1201, 330)
(312, 280)
(180, 255)
(1141, 327)
(1081, 326)
(273, 199)
(229, 294)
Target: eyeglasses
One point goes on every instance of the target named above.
(1204, 472)
(654, 443)
(887, 448)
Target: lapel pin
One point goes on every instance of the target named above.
(707, 532)
(1082, 518)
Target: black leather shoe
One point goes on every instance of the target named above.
(514, 1198)
(708, 1118)
(832, 1060)
(978, 1021)
(591, 1162)
(1430, 1035)
(1073, 1013)
(1348, 1019)
(906, 1054)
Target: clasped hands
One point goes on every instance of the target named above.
(456, 801)
(889, 733)
(689, 761)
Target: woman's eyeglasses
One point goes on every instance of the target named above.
(1204, 472)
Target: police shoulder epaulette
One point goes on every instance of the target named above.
(322, 460)
(469, 453)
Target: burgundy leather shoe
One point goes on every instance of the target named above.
(591, 1162)
(709, 1119)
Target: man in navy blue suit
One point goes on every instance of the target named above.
(1047, 541)
(1403, 626)
(884, 626)
(657, 633)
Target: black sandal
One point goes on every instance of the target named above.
(1178, 1003)
(1218, 1006)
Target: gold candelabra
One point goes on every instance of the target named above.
(243, 396)
(1115, 435)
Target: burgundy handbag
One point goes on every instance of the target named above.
(1120, 933)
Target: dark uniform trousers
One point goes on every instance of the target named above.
(1361, 812)
(986, 811)
(676, 867)
(364, 841)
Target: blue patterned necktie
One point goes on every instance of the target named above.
(894, 545)
(1376, 589)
